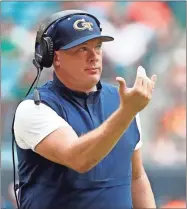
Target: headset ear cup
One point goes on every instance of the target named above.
(47, 52)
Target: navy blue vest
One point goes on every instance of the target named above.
(47, 185)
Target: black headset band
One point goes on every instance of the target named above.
(58, 16)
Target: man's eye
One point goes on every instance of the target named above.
(99, 46)
(82, 49)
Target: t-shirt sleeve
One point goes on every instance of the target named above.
(139, 144)
(34, 122)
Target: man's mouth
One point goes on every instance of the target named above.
(92, 70)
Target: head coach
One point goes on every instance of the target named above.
(79, 147)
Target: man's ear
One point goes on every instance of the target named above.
(56, 60)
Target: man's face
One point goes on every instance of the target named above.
(81, 66)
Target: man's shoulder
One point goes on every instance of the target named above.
(48, 96)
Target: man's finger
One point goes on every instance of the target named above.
(154, 78)
(150, 88)
(153, 82)
(139, 76)
(141, 72)
(122, 84)
(145, 84)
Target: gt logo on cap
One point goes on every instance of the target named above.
(82, 25)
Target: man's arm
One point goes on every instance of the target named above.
(83, 153)
(142, 194)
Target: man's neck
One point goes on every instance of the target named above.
(94, 88)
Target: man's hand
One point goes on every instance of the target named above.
(137, 97)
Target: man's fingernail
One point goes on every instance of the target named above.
(141, 71)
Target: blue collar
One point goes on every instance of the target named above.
(77, 96)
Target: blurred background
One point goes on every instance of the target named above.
(151, 34)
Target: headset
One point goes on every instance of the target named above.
(43, 57)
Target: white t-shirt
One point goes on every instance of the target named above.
(34, 122)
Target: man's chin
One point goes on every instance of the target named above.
(93, 80)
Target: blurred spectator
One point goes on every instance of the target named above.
(157, 15)
(175, 204)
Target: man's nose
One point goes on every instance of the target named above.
(93, 56)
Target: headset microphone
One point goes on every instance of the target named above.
(36, 93)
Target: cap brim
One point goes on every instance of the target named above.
(87, 38)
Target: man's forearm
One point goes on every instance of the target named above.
(92, 147)
(142, 194)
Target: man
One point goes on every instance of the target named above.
(80, 148)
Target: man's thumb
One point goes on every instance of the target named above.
(122, 84)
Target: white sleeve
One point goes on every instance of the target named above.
(34, 122)
(139, 144)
